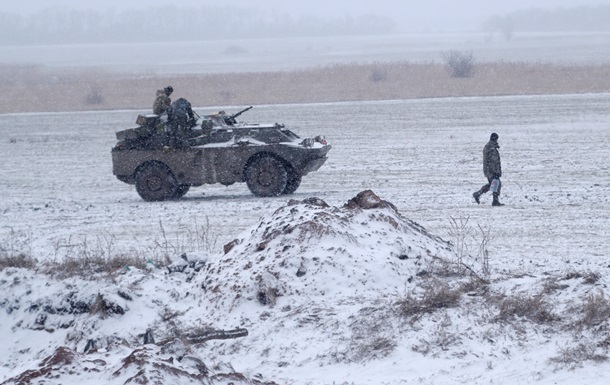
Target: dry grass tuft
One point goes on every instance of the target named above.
(373, 335)
(575, 356)
(535, 309)
(20, 261)
(594, 310)
(92, 267)
(437, 295)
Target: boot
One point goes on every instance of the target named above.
(476, 195)
(496, 202)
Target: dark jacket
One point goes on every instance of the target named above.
(162, 103)
(491, 160)
(180, 116)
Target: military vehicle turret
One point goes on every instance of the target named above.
(164, 162)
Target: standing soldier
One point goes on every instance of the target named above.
(163, 101)
(492, 169)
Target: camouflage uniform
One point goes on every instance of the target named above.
(162, 103)
(492, 169)
(491, 160)
(180, 121)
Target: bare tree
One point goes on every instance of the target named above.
(459, 64)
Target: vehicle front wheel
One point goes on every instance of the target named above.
(155, 182)
(266, 176)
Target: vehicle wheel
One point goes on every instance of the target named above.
(155, 182)
(181, 191)
(266, 177)
(293, 183)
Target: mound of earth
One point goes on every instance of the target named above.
(312, 250)
(308, 267)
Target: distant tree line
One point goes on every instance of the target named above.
(66, 26)
(576, 19)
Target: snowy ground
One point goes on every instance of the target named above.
(59, 199)
(424, 156)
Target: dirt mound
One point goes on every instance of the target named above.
(309, 248)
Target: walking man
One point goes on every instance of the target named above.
(492, 169)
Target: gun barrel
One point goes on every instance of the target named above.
(239, 113)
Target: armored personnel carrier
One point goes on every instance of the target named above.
(164, 162)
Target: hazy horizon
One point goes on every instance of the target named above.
(417, 15)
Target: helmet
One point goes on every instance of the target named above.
(493, 136)
(168, 90)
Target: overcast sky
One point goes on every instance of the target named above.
(421, 14)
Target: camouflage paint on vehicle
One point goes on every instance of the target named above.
(269, 158)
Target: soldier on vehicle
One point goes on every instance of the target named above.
(163, 102)
(492, 169)
(180, 121)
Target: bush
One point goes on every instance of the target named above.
(574, 357)
(21, 261)
(378, 74)
(437, 295)
(459, 64)
(534, 308)
(595, 310)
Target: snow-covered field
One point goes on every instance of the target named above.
(280, 54)
(60, 200)
(423, 155)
